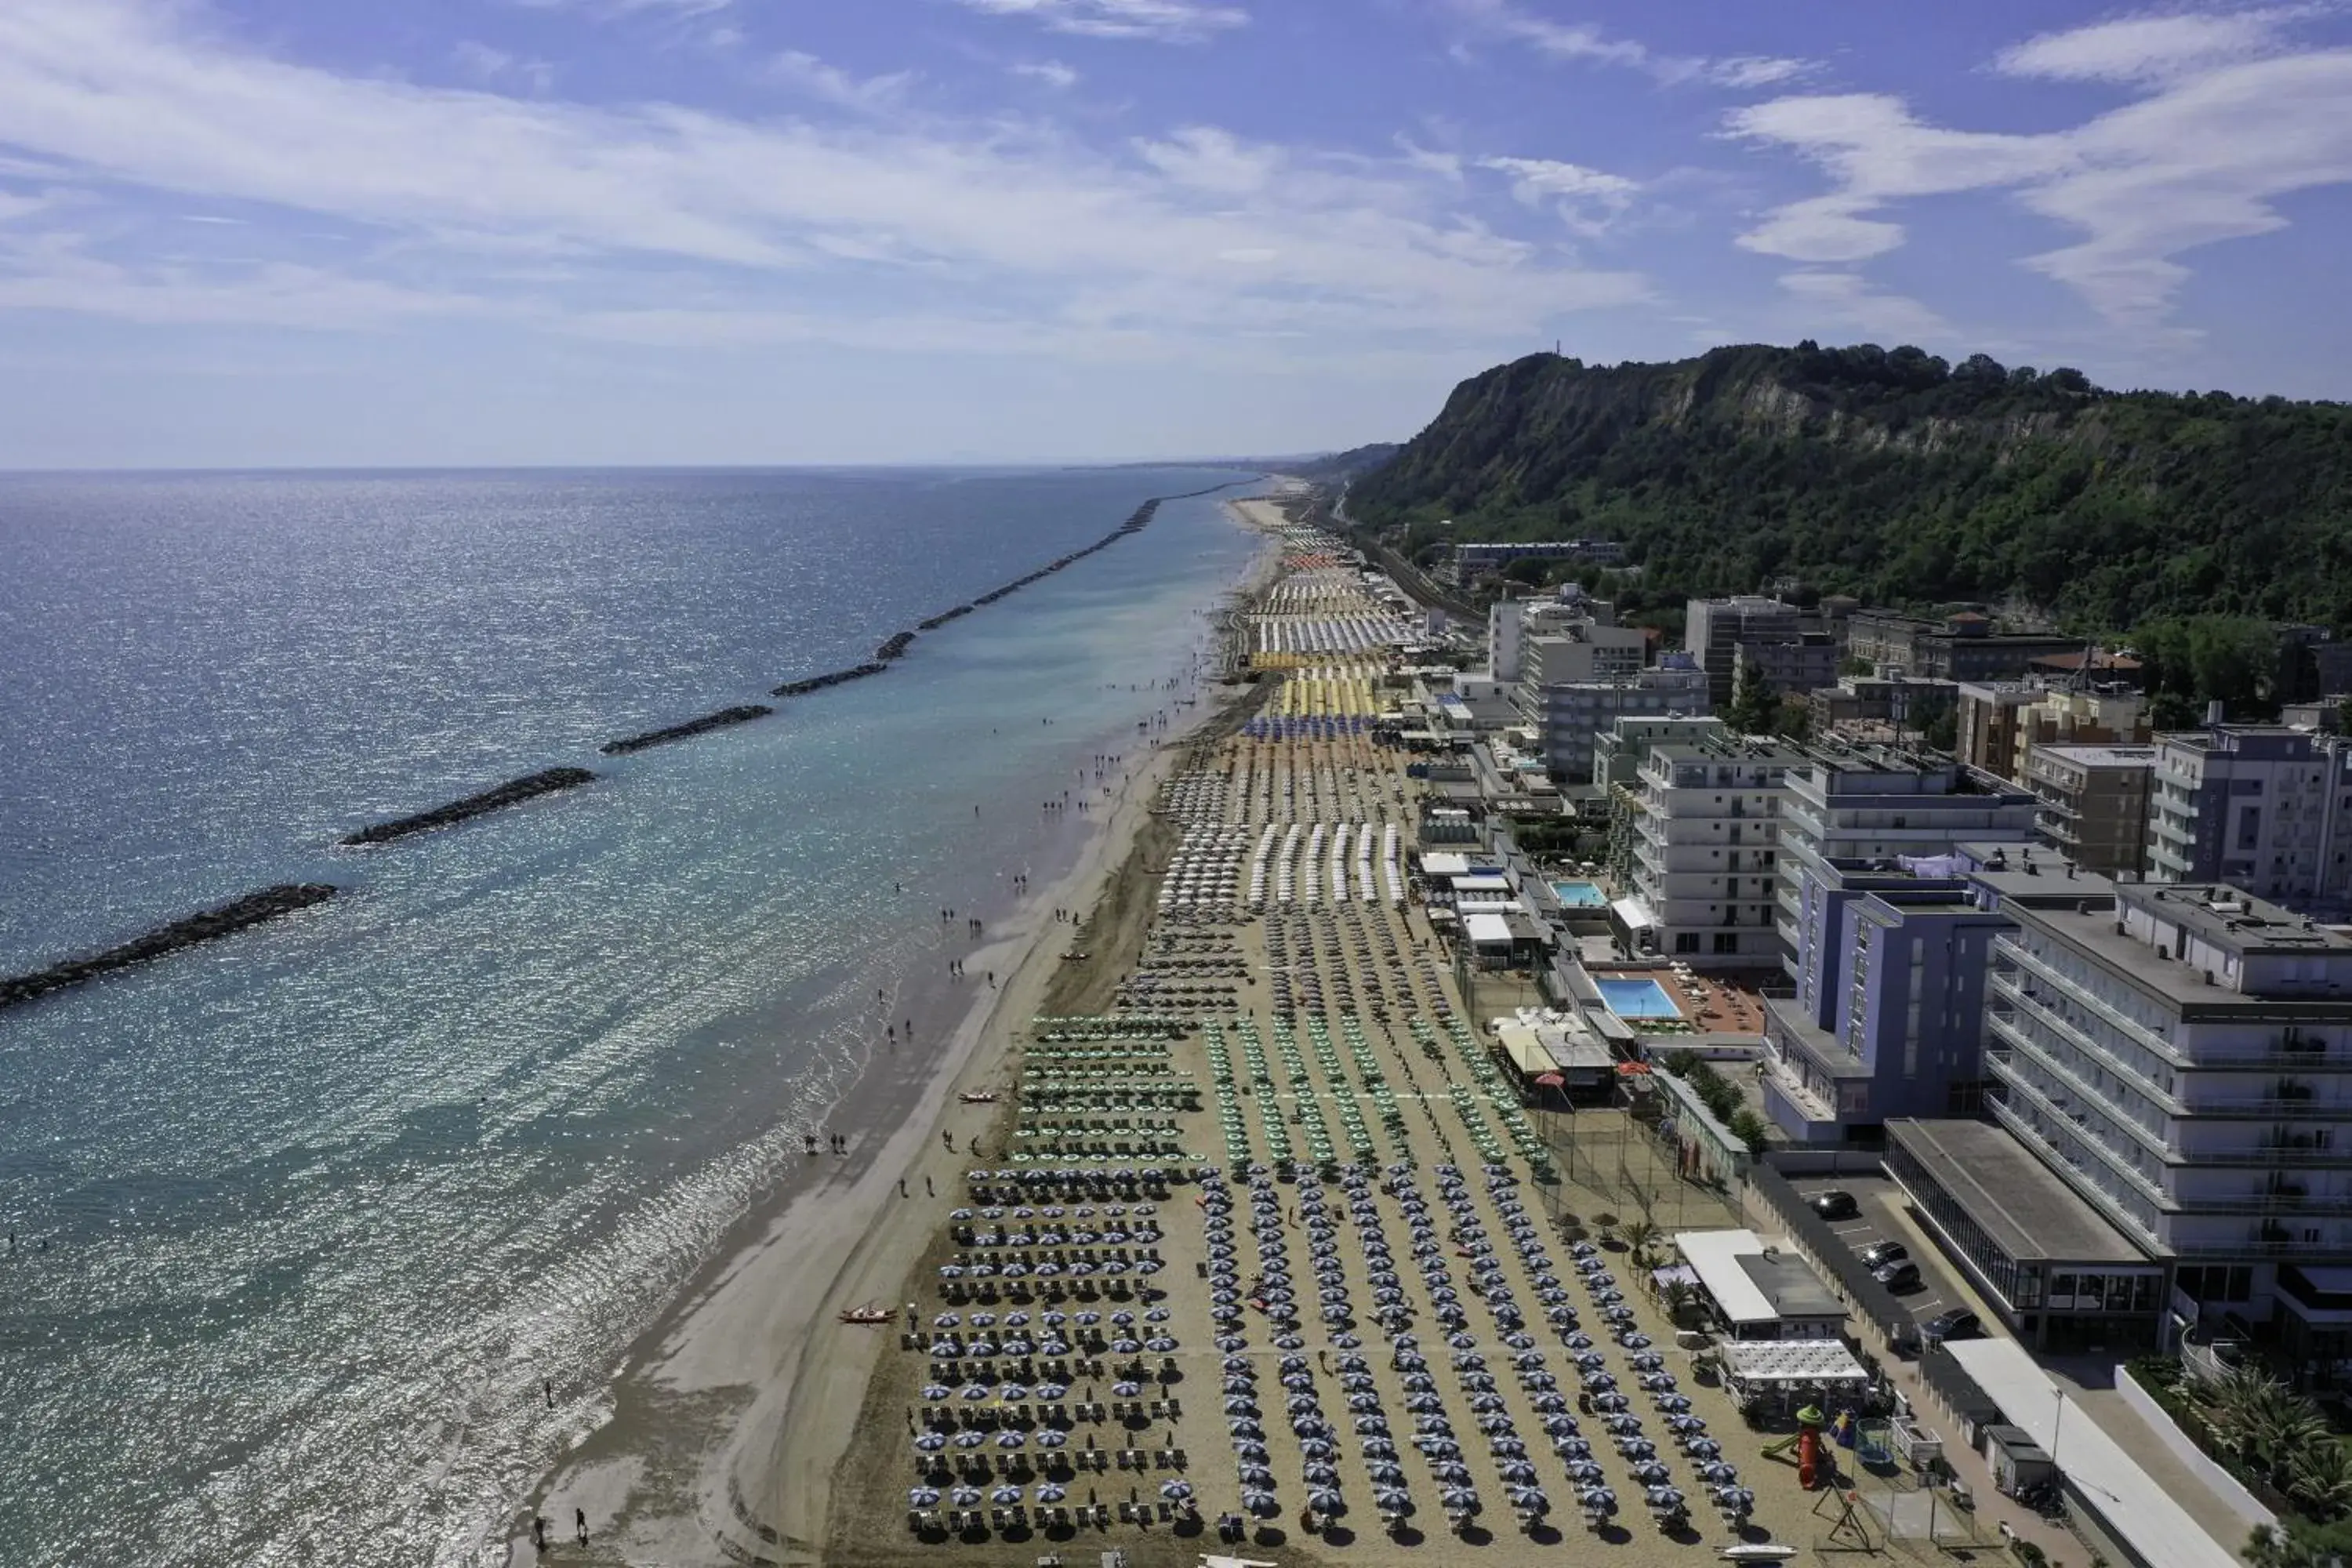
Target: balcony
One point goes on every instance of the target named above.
(2025, 1133)
(2263, 1202)
(2040, 1012)
(2273, 1108)
(2272, 1155)
(2152, 1142)
(2007, 949)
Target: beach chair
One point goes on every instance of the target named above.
(914, 1521)
(996, 1520)
(1167, 1512)
(1176, 1457)
(1126, 1513)
(1122, 1460)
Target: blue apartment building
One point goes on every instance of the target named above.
(1889, 1016)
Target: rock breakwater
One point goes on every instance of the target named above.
(744, 714)
(512, 793)
(268, 904)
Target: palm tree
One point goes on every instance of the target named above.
(2319, 1476)
(1639, 1238)
(1679, 1296)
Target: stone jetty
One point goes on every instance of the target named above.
(687, 731)
(512, 793)
(250, 911)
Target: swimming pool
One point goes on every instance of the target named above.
(1638, 999)
(1579, 895)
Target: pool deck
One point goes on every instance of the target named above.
(1712, 1003)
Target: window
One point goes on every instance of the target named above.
(1726, 941)
(1685, 941)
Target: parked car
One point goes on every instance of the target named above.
(1879, 1254)
(1902, 1275)
(1835, 1203)
(1957, 1324)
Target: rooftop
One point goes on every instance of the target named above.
(2102, 756)
(2231, 920)
(2013, 1197)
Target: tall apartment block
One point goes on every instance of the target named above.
(2263, 808)
(2179, 1059)
(1705, 847)
(1713, 630)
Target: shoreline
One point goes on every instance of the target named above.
(729, 1412)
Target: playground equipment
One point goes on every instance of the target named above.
(1807, 1443)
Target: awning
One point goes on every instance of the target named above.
(1488, 931)
(1790, 1363)
(1526, 1052)
(1634, 914)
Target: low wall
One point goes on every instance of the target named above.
(2184, 1447)
(1799, 1161)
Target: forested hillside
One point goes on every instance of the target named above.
(1898, 478)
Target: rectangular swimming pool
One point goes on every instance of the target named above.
(1637, 999)
(1579, 895)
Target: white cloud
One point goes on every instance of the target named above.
(2199, 159)
(483, 63)
(1164, 21)
(1053, 73)
(1587, 200)
(830, 84)
(891, 218)
(1846, 301)
(1204, 158)
(1585, 41)
(2145, 49)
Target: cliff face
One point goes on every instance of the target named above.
(1895, 475)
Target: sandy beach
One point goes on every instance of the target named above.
(729, 1414)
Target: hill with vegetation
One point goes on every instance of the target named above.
(1895, 476)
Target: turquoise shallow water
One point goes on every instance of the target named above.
(304, 1217)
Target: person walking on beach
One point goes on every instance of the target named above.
(580, 1521)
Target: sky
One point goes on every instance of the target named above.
(302, 233)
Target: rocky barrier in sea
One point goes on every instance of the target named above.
(832, 678)
(691, 727)
(894, 647)
(250, 911)
(512, 793)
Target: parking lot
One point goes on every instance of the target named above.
(1882, 1217)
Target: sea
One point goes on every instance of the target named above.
(301, 1222)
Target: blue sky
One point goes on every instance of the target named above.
(300, 232)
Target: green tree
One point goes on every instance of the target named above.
(2319, 1478)
(1795, 720)
(1755, 707)
(1751, 1129)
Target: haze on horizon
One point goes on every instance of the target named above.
(302, 232)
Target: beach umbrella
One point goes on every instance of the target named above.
(1326, 1502)
(1052, 1440)
(1012, 1394)
(1176, 1490)
(1124, 1347)
(1674, 1403)
(1260, 1505)
(1316, 1448)
(1290, 1343)
(1531, 1501)
(1005, 1495)
(936, 1391)
(1459, 1499)
(969, 1439)
(1011, 1439)
(975, 1391)
(1703, 1448)
(1321, 1475)
(1717, 1473)
(965, 1497)
(922, 1497)
(931, 1442)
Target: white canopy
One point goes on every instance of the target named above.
(1790, 1363)
(1488, 931)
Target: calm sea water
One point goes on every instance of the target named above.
(303, 1218)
